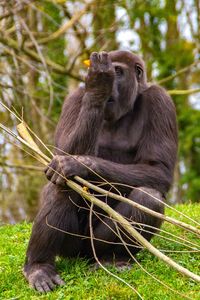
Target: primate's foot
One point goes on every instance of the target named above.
(119, 265)
(42, 278)
(123, 265)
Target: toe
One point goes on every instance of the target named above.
(45, 286)
(37, 285)
(51, 284)
(57, 280)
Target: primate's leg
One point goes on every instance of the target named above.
(101, 230)
(46, 242)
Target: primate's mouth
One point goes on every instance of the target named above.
(110, 100)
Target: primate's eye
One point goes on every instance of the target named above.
(118, 71)
(139, 71)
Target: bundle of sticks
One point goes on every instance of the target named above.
(84, 188)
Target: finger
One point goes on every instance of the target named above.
(104, 61)
(109, 62)
(63, 168)
(94, 59)
(54, 178)
(104, 58)
(49, 173)
(61, 181)
(50, 168)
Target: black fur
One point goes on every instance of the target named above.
(124, 130)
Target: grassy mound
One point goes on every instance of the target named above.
(82, 282)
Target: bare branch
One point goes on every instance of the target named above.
(32, 54)
(20, 166)
(168, 78)
(64, 27)
(183, 92)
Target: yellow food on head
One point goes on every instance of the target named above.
(86, 62)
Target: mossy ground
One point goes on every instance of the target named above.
(82, 282)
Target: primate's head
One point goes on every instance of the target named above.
(129, 81)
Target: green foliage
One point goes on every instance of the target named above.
(164, 47)
(104, 25)
(190, 144)
(55, 51)
(82, 282)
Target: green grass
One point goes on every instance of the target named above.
(84, 283)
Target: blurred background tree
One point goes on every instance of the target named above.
(43, 45)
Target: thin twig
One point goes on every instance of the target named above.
(20, 166)
(148, 273)
(98, 261)
(185, 69)
(65, 26)
(139, 206)
(183, 92)
(32, 54)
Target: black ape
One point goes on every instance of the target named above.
(124, 130)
